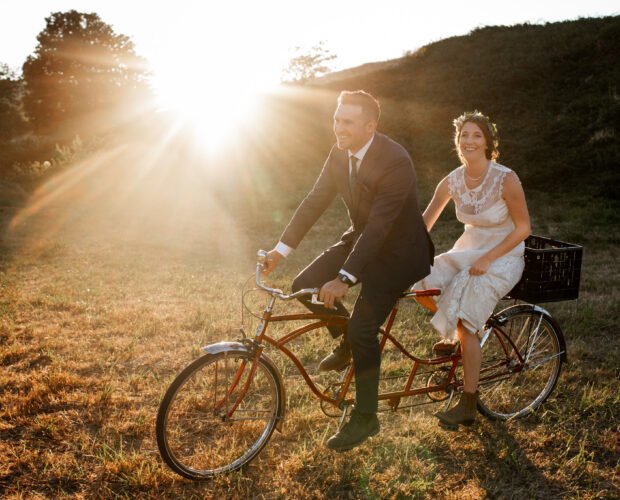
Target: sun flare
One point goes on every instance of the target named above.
(212, 85)
(213, 109)
(213, 104)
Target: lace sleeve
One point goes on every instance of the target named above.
(501, 185)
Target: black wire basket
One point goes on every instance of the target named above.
(552, 271)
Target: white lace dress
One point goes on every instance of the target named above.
(487, 222)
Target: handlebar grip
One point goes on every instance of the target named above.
(315, 299)
(261, 255)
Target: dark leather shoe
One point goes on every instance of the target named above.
(357, 430)
(444, 347)
(338, 360)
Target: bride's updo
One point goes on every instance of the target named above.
(489, 129)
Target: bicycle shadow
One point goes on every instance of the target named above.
(486, 461)
(507, 470)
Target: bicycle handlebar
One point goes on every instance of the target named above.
(274, 292)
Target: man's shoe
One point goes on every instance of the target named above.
(445, 347)
(358, 429)
(338, 359)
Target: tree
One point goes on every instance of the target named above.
(11, 118)
(306, 66)
(81, 75)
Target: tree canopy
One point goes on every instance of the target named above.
(80, 75)
(308, 65)
(11, 118)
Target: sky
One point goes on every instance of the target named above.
(252, 41)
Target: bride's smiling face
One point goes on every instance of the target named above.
(472, 142)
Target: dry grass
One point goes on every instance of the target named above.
(103, 301)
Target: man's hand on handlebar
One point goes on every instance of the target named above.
(331, 292)
(273, 259)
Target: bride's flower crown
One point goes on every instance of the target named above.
(478, 118)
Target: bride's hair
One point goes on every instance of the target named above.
(489, 129)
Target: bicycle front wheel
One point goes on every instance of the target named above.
(218, 414)
(521, 363)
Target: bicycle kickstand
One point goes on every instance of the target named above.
(450, 397)
(345, 408)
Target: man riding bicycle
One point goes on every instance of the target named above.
(385, 249)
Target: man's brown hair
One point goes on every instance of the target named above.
(370, 105)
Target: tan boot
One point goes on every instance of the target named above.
(463, 413)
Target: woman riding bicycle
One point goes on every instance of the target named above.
(486, 261)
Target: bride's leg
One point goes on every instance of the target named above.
(464, 413)
(472, 357)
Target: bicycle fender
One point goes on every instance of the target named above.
(230, 346)
(504, 314)
(224, 346)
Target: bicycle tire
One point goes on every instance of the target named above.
(196, 437)
(521, 363)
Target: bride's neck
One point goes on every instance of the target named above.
(477, 166)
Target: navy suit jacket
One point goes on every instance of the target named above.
(388, 241)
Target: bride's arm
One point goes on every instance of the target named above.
(437, 204)
(517, 207)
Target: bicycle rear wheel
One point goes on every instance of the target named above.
(521, 363)
(218, 414)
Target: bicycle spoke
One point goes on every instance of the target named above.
(542, 362)
(520, 365)
(217, 415)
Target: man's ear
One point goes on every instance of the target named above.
(371, 126)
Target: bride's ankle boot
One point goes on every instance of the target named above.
(463, 413)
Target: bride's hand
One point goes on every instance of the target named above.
(481, 266)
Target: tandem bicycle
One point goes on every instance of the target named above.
(221, 410)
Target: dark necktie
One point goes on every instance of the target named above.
(353, 179)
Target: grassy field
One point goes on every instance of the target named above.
(106, 293)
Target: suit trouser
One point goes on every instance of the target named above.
(371, 309)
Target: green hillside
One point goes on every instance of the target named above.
(553, 89)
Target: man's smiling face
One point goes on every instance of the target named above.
(352, 127)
